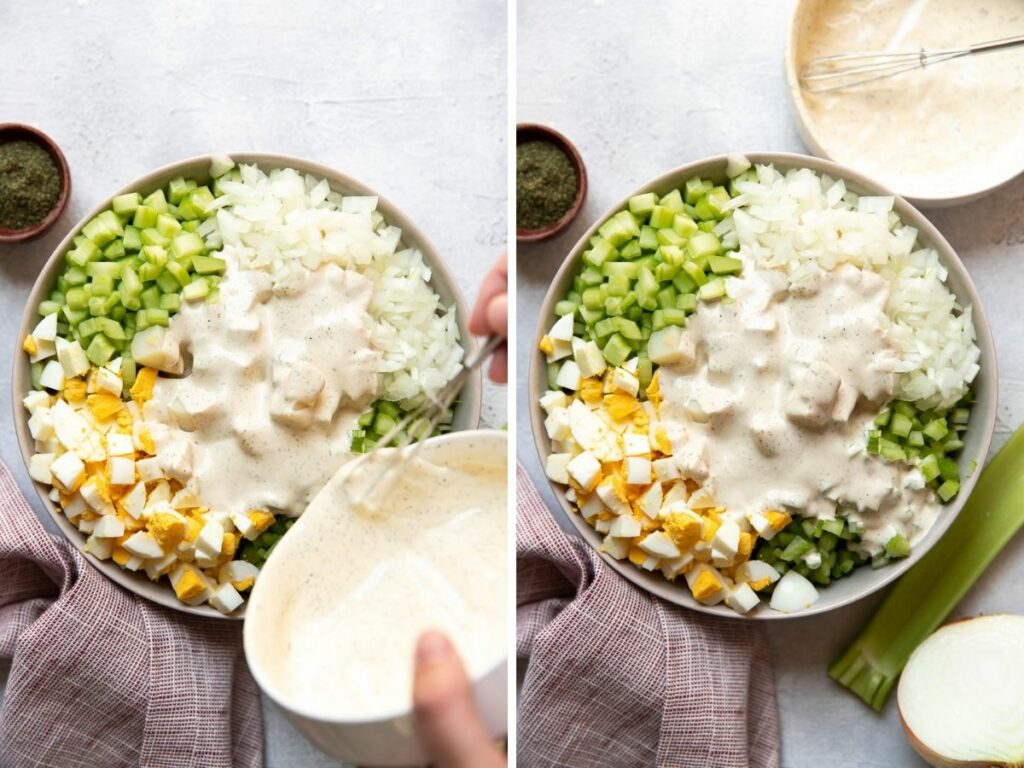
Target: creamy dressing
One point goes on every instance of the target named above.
(946, 131)
(771, 403)
(279, 375)
(337, 610)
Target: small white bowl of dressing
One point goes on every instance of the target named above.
(333, 621)
(942, 136)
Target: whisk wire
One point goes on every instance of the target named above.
(848, 70)
(420, 423)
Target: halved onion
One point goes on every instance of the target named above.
(961, 695)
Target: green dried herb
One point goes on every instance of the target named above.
(546, 184)
(29, 184)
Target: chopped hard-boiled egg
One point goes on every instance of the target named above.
(138, 507)
(646, 485)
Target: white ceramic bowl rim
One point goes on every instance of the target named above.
(805, 126)
(268, 687)
(985, 385)
(441, 279)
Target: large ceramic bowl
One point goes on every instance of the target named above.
(863, 581)
(467, 412)
(388, 740)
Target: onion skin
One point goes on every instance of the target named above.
(932, 758)
(929, 755)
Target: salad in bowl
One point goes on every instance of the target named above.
(764, 386)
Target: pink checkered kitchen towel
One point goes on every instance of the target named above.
(617, 678)
(102, 679)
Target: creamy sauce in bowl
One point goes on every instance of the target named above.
(776, 390)
(333, 620)
(949, 131)
(279, 376)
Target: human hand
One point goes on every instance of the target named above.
(490, 315)
(446, 720)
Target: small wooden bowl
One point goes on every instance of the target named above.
(19, 131)
(535, 132)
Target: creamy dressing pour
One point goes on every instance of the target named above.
(279, 376)
(772, 404)
(949, 130)
(336, 612)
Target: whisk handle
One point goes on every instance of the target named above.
(997, 45)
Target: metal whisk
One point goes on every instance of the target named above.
(425, 418)
(848, 70)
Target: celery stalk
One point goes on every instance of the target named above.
(923, 598)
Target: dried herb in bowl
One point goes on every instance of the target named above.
(29, 184)
(546, 184)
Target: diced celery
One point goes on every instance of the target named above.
(145, 217)
(907, 409)
(618, 285)
(77, 298)
(102, 286)
(177, 188)
(100, 350)
(929, 467)
(186, 245)
(684, 283)
(157, 201)
(562, 308)
(936, 429)
(724, 265)
(167, 225)
(127, 370)
(114, 251)
(695, 273)
(179, 272)
(628, 269)
(668, 236)
(208, 265)
(616, 350)
(664, 272)
(75, 276)
(125, 205)
(662, 217)
(148, 272)
(48, 307)
(713, 289)
(631, 250)
(672, 255)
(900, 425)
(687, 302)
(642, 205)
(197, 289)
(150, 297)
(703, 244)
(644, 372)
(110, 328)
(104, 228)
(648, 238)
(796, 549)
(166, 283)
(683, 225)
(628, 328)
(897, 546)
(132, 239)
(83, 254)
(694, 189)
(153, 236)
